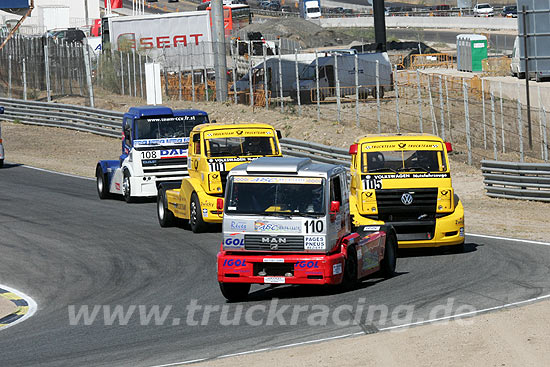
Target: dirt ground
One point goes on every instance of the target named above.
(515, 337)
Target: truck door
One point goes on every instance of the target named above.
(336, 222)
(329, 73)
(127, 133)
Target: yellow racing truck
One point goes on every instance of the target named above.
(405, 181)
(214, 149)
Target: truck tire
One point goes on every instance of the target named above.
(349, 280)
(165, 216)
(101, 184)
(1, 163)
(387, 266)
(196, 222)
(381, 92)
(235, 292)
(126, 187)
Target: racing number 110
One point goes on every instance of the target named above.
(313, 226)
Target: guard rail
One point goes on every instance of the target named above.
(108, 123)
(511, 180)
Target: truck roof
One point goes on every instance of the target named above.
(148, 111)
(209, 127)
(400, 137)
(285, 166)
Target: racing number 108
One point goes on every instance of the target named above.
(313, 226)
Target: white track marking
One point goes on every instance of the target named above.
(432, 321)
(32, 306)
(59, 173)
(508, 239)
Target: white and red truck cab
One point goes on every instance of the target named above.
(154, 150)
(287, 221)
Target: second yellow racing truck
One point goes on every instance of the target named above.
(214, 149)
(405, 181)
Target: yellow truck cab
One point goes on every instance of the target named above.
(405, 181)
(214, 149)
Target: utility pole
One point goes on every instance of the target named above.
(220, 61)
(86, 11)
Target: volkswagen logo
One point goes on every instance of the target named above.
(406, 198)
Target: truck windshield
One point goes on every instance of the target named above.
(167, 127)
(241, 146)
(308, 73)
(276, 195)
(403, 161)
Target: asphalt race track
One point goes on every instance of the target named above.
(63, 246)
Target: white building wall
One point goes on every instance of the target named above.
(37, 24)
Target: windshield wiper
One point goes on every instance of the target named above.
(412, 168)
(381, 169)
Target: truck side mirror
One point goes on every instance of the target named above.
(353, 149)
(334, 207)
(213, 121)
(449, 147)
(127, 131)
(196, 138)
(279, 135)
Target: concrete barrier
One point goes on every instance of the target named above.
(426, 22)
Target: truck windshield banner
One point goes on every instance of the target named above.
(279, 180)
(402, 145)
(225, 133)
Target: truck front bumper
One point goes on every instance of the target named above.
(449, 230)
(280, 268)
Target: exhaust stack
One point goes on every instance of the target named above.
(379, 25)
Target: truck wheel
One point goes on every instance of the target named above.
(235, 292)
(349, 281)
(195, 215)
(1, 163)
(387, 267)
(102, 189)
(126, 187)
(165, 216)
(381, 92)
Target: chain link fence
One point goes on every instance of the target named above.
(486, 118)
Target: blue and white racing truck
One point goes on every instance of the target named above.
(154, 150)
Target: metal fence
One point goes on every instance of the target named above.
(109, 123)
(512, 180)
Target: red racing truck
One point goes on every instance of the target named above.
(287, 221)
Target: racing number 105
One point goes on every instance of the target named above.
(314, 226)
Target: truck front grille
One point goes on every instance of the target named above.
(392, 204)
(258, 242)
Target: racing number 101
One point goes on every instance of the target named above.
(313, 226)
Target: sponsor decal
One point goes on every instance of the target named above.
(359, 253)
(410, 175)
(237, 226)
(459, 221)
(229, 263)
(306, 264)
(274, 280)
(403, 145)
(314, 242)
(279, 180)
(371, 228)
(461, 232)
(117, 186)
(205, 213)
(161, 141)
(337, 269)
(275, 227)
(238, 132)
(234, 240)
